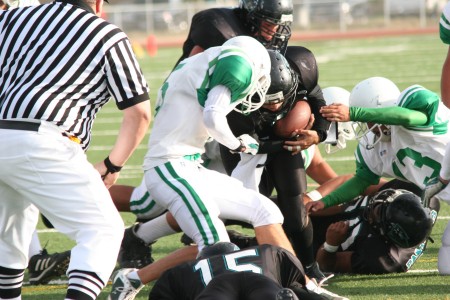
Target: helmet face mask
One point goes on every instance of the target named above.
(269, 21)
(381, 133)
(398, 216)
(374, 92)
(345, 130)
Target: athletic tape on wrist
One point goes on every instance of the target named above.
(329, 248)
(314, 195)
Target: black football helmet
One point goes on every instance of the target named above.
(217, 249)
(303, 61)
(282, 87)
(277, 12)
(283, 79)
(401, 218)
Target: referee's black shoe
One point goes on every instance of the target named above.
(44, 267)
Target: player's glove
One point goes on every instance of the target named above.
(433, 187)
(248, 145)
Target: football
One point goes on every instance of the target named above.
(297, 118)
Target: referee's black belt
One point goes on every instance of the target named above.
(32, 126)
(20, 125)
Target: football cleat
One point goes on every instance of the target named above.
(43, 267)
(286, 294)
(312, 286)
(313, 271)
(134, 252)
(124, 288)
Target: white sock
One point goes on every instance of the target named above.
(35, 245)
(154, 229)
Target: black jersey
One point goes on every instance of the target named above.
(372, 253)
(187, 280)
(213, 27)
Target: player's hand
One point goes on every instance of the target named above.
(434, 187)
(337, 233)
(303, 140)
(336, 112)
(314, 206)
(250, 145)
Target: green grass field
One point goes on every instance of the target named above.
(406, 60)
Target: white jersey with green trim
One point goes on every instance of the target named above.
(179, 129)
(414, 154)
(444, 25)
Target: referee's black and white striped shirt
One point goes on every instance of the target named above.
(61, 63)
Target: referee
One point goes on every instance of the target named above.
(60, 63)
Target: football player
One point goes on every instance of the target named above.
(268, 21)
(294, 78)
(401, 135)
(233, 76)
(188, 280)
(379, 234)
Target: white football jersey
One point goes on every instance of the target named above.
(178, 128)
(414, 154)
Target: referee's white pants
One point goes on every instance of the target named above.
(47, 172)
(198, 198)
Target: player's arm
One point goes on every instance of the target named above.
(328, 257)
(389, 116)
(336, 262)
(229, 81)
(352, 188)
(445, 80)
(384, 115)
(319, 170)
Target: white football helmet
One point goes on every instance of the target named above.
(260, 60)
(345, 131)
(374, 92)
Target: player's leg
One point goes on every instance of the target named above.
(188, 195)
(238, 203)
(444, 253)
(289, 177)
(135, 250)
(121, 195)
